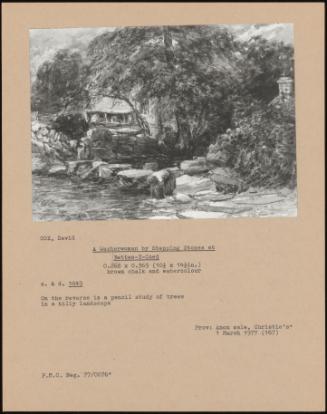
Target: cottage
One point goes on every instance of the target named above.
(110, 111)
(285, 85)
(285, 97)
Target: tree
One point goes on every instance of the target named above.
(182, 68)
(262, 63)
(60, 83)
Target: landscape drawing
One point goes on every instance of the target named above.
(163, 122)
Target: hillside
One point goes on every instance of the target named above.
(44, 43)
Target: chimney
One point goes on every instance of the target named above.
(285, 84)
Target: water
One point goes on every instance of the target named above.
(61, 199)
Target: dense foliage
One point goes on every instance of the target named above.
(72, 125)
(261, 148)
(198, 80)
(60, 83)
(263, 62)
(186, 72)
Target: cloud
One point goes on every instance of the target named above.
(279, 32)
(44, 43)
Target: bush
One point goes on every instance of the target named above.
(72, 125)
(261, 149)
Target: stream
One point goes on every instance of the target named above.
(63, 199)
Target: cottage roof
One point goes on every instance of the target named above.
(285, 79)
(110, 105)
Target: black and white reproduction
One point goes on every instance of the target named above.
(163, 122)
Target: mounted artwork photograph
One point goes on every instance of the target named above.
(163, 122)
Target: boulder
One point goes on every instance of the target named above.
(115, 168)
(196, 166)
(41, 137)
(87, 171)
(182, 198)
(93, 169)
(44, 131)
(136, 179)
(154, 166)
(176, 171)
(219, 158)
(226, 180)
(36, 125)
(98, 163)
(187, 184)
(58, 170)
(72, 166)
(162, 184)
(83, 168)
(37, 146)
(72, 143)
(105, 172)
